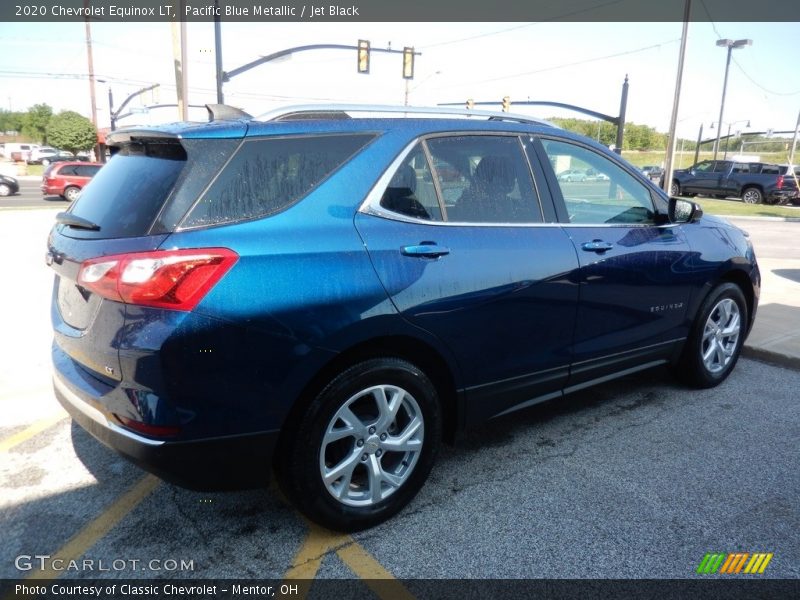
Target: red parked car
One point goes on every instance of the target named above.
(67, 179)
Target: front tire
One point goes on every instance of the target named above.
(716, 339)
(675, 189)
(365, 445)
(5, 189)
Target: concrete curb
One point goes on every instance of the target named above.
(773, 358)
(749, 218)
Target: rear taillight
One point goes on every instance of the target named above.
(146, 429)
(176, 279)
(780, 182)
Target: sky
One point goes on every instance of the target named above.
(576, 63)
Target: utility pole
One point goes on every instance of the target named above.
(180, 60)
(673, 123)
(218, 52)
(91, 77)
(794, 140)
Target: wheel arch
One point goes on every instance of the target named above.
(405, 347)
(741, 279)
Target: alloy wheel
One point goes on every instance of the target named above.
(371, 445)
(721, 335)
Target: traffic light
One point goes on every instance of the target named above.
(363, 56)
(506, 103)
(470, 104)
(408, 63)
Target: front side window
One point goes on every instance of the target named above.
(610, 195)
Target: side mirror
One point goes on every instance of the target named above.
(684, 211)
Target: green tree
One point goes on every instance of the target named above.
(10, 121)
(34, 123)
(71, 131)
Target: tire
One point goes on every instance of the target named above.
(45, 162)
(752, 195)
(675, 189)
(5, 189)
(71, 193)
(716, 338)
(338, 466)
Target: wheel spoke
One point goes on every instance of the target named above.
(404, 441)
(712, 348)
(732, 328)
(375, 479)
(719, 356)
(388, 407)
(344, 468)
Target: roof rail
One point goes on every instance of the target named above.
(345, 111)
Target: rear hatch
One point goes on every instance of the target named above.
(132, 205)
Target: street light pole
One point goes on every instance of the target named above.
(112, 116)
(730, 45)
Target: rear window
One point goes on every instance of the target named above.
(127, 194)
(266, 176)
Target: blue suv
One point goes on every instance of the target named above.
(329, 292)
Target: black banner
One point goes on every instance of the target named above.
(392, 10)
(728, 588)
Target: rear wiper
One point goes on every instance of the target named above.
(70, 220)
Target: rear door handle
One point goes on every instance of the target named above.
(425, 250)
(598, 246)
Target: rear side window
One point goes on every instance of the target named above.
(68, 170)
(126, 195)
(266, 176)
(86, 170)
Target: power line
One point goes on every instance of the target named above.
(516, 27)
(572, 64)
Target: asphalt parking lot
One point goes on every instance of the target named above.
(638, 478)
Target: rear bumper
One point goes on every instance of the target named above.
(231, 462)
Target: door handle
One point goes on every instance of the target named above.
(598, 246)
(425, 250)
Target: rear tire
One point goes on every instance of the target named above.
(71, 193)
(675, 189)
(716, 338)
(364, 447)
(752, 195)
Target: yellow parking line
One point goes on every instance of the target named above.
(317, 544)
(89, 535)
(320, 542)
(30, 431)
(379, 580)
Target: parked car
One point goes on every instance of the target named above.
(18, 151)
(35, 156)
(572, 175)
(593, 175)
(60, 156)
(8, 185)
(67, 179)
(753, 182)
(295, 292)
(653, 172)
